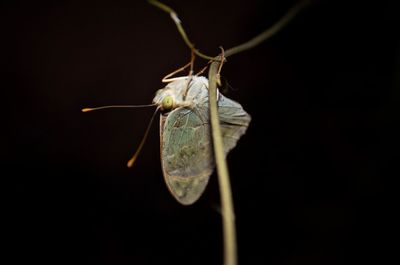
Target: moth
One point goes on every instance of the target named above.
(187, 156)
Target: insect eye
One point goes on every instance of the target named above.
(167, 103)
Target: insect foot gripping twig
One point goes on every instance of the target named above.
(222, 60)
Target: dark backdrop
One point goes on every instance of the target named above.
(308, 178)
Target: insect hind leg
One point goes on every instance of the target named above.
(168, 78)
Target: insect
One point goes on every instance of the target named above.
(187, 156)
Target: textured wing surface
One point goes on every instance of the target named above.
(233, 120)
(186, 152)
(186, 145)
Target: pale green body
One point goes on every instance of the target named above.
(185, 135)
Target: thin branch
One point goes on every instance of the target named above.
(180, 28)
(268, 33)
(228, 217)
(228, 214)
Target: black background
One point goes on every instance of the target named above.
(309, 178)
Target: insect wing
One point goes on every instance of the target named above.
(187, 156)
(233, 120)
(186, 152)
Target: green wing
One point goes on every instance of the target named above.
(187, 156)
(186, 153)
(233, 120)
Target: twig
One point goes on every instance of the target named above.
(228, 216)
(263, 36)
(181, 30)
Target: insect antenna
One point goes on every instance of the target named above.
(133, 159)
(117, 106)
